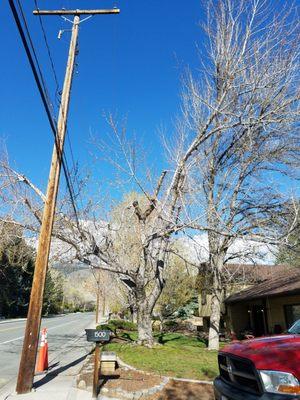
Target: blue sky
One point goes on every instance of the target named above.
(130, 63)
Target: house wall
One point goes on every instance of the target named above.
(240, 319)
(275, 307)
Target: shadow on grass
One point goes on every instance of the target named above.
(164, 338)
(126, 336)
(203, 340)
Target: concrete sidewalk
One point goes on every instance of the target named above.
(61, 388)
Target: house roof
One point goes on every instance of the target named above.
(248, 274)
(285, 282)
(253, 274)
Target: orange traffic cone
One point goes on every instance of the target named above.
(42, 364)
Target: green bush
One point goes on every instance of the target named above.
(118, 324)
(106, 327)
(123, 325)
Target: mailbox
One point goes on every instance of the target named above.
(94, 335)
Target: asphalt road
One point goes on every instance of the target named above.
(64, 333)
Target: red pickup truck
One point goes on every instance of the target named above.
(266, 368)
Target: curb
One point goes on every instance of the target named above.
(9, 321)
(192, 381)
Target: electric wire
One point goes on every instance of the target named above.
(49, 52)
(36, 70)
(53, 120)
(52, 64)
(34, 55)
(64, 160)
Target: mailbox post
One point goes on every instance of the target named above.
(96, 336)
(96, 371)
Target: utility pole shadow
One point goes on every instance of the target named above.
(54, 373)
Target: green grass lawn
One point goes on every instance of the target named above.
(179, 356)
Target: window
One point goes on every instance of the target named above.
(295, 329)
(292, 314)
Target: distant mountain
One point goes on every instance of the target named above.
(62, 253)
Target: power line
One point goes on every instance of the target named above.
(47, 98)
(43, 92)
(57, 86)
(51, 119)
(49, 52)
(58, 99)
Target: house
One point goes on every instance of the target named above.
(237, 277)
(266, 308)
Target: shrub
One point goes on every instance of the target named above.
(117, 324)
(106, 327)
(123, 325)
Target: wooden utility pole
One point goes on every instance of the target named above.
(30, 344)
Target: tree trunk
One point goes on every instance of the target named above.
(214, 324)
(145, 303)
(215, 313)
(145, 336)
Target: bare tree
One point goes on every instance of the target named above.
(247, 101)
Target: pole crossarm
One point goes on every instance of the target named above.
(76, 12)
